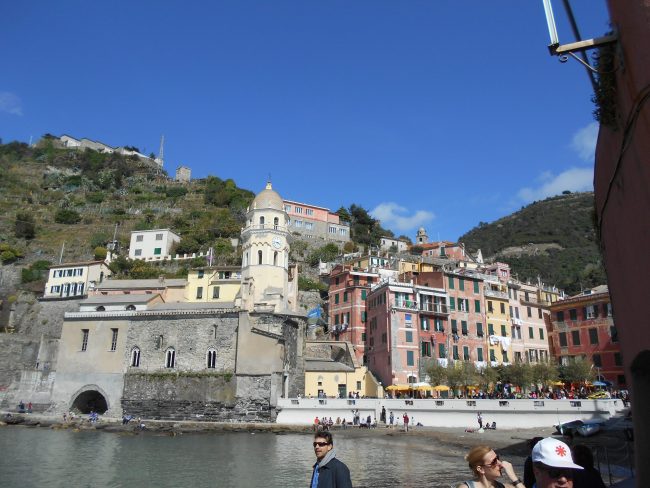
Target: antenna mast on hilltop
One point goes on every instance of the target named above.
(161, 155)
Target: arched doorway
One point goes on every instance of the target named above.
(89, 401)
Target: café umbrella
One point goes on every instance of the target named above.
(441, 388)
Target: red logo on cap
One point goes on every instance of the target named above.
(560, 451)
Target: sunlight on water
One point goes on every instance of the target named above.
(34, 457)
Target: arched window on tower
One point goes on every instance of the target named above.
(275, 223)
(259, 257)
(214, 328)
(211, 359)
(170, 358)
(262, 221)
(130, 307)
(135, 357)
(275, 258)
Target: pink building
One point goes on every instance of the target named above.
(314, 222)
(621, 182)
(583, 326)
(348, 293)
(406, 324)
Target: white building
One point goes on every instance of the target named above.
(386, 243)
(74, 279)
(152, 245)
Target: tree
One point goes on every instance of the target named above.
(24, 226)
(487, 376)
(100, 253)
(543, 373)
(437, 373)
(520, 374)
(577, 370)
(66, 216)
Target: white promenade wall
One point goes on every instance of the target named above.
(508, 414)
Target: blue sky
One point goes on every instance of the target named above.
(441, 113)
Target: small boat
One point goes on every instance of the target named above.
(584, 428)
(587, 429)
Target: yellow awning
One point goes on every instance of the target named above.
(441, 388)
(425, 388)
(398, 387)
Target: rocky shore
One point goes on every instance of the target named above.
(449, 436)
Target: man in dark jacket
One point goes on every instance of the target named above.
(328, 471)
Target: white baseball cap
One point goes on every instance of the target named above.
(554, 453)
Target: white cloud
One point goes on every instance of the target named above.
(584, 142)
(396, 217)
(573, 179)
(10, 103)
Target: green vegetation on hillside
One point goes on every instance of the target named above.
(363, 228)
(53, 198)
(554, 239)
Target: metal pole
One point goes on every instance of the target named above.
(576, 34)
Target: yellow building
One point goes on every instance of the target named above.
(216, 284)
(497, 316)
(331, 370)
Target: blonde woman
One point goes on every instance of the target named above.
(487, 468)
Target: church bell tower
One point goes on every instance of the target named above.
(265, 254)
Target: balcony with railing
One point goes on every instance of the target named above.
(269, 227)
(405, 305)
(434, 308)
(533, 300)
(495, 293)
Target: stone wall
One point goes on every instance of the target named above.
(19, 377)
(193, 396)
(191, 336)
(36, 317)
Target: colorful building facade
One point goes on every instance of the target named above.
(583, 326)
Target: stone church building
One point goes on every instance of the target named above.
(137, 355)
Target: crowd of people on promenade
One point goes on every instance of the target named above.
(551, 464)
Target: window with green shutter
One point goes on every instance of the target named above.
(451, 282)
(492, 355)
(364, 293)
(410, 358)
(477, 306)
(409, 336)
(541, 333)
(452, 303)
(461, 284)
(336, 298)
(531, 333)
(442, 353)
(504, 333)
(364, 316)
(456, 357)
(479, 329)
(476, 287)
(505, 356)
(479, 354)
(454, 326)
(463, 327)
(466, 353)
(345, 296)
(490, 329)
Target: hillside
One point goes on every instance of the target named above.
(554, 239)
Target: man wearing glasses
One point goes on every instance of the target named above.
(328, 471)
(553, 464)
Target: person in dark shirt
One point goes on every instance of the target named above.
(589, 477)
(328, 471)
